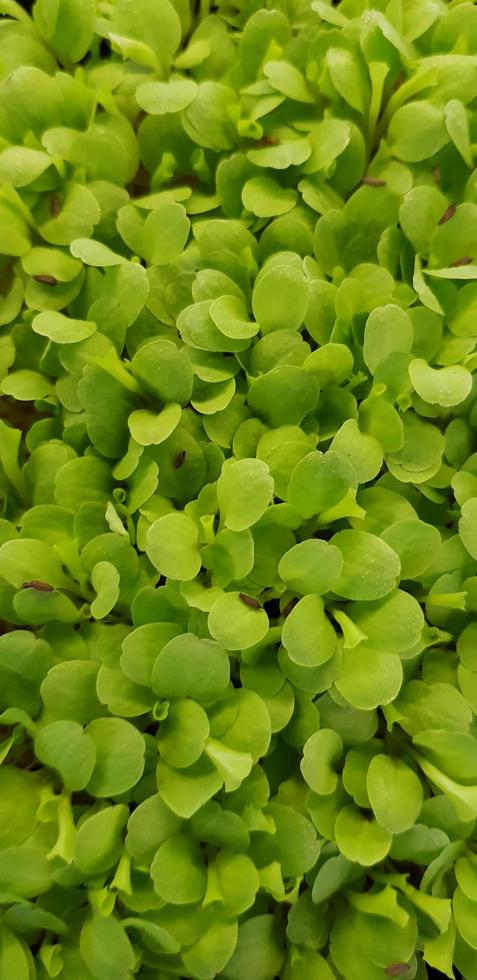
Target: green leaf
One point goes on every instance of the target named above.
(149, 429)
(149, 825)
(362, 450)
(26, 559)
(172, 546)
(307, 634)
(165, 233)
(329, 139)
(348, 77)
(98, 843)
(236, 623)
(14, 958)
(396, 621)
(311, 566)
(105, 580)
(266, 198)
(141, 648)
(395, 793)
(370, 567)
(360, 839)
(19, 802)
(368, 677)
(319, 482)
(446, 386)
(188, 666)
(457, 125)
(455, 754)
(183, 734)
(212, 950)
(259, 950)
(185, 791)
(280, 298)
(69, 691)
(20, 166)
(417, 131)
(25, 385)
(105, 948)
(64, 746)
(178, 871)
(164, 370)
(68, 27)
(321, 754)
(415, 542)
(94, 253)
(155, 24)
(465, 917)
(61, 329)
(160, 98)
(422, 707)
(25, 871)
(230, 317)
(244, 491)
(467, 526)
(233, 766)
(332, 875)
(388, 329)
(208, 120)
(419, 215)
(119, 756)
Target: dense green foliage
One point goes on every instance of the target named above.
(238, 561)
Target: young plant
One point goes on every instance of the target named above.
(238, 483)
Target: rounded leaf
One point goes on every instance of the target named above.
(178, 871)
(307, 634)
(120, 752)
(266, 198)
(244, 491)
(446, 386)
(311, 566)
(370, 567)
(360, 839)
(172, 546)
(236, 623)
(188, 666)
(395, 793)
(64, 746)
(321, 755)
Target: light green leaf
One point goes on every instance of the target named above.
(446, 386)
(160, 98)
(311, 566)
(285, 78)
(94, 253)
(237, 623)
(105, 580)
(20, 166)
(106, 949)
(321, 755)
(172, 546)
(166, 231)
(371, 568)
(267, 198)
(188, 666)
(307, 634)
(395, 793)
(360, 839)
(244, 491)
(149, 429)
(119, 756)
(457, 124)
(178, 871)
(62, 329)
